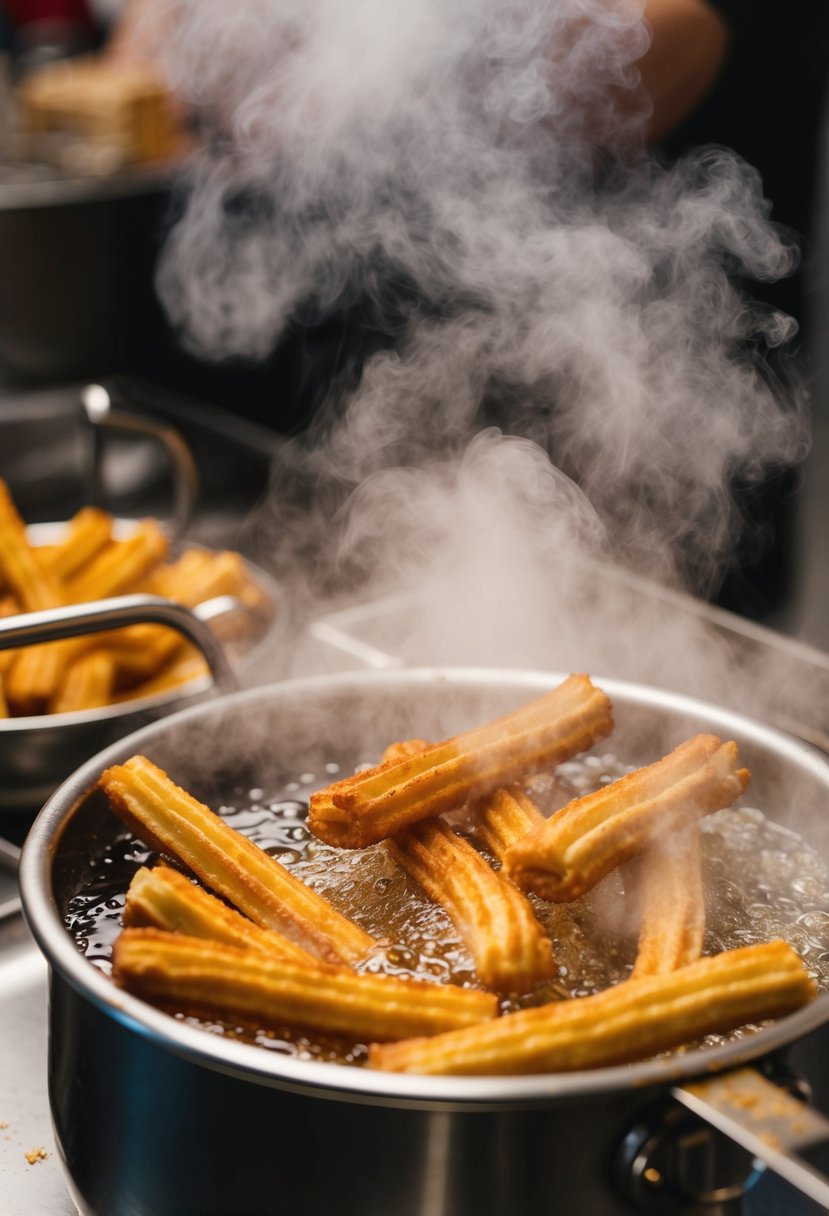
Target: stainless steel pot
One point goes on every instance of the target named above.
(154, 1117)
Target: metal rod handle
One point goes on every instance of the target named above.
(102, 417)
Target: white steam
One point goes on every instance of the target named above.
(484, 159)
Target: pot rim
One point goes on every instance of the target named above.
(253, 1063)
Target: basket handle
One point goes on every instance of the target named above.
(103, 418)
(74, 620)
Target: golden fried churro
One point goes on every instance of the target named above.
(403, 748)
(372, 805)
(198, 576)
(171, 820)
(190, 972)
(86, 535)
(581, 843)
(504, 817)
(511, 951)
(184, 667)
(141, 651)
(86, 683)
(36, 673)
(163, 898)
(121, 565)
(668, 881)
(33, 587)
(634, 1020)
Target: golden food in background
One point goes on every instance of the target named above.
(91, 561)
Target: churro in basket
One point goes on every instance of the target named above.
(90, 560)
(581, 843)
(87, 533)
(634, 1020)
(173, 821)
(192, 973)
(372, 805)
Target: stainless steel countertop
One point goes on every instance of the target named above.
(25, 1189)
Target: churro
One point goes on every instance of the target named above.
(184, 971)
(33, 588)
(119, 566)
(510, 949)
(667, 878)
(36, 674)
(581, 843)
(87, 563)
(164, 898)
(87, 533)
(86, 683)
(173, 821)
(501, 818)
(635, 1020)
(183, 667)
(505, 817)
(374, 804)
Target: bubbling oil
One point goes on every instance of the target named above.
(762, 881)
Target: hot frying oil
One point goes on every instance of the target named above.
(761, 882)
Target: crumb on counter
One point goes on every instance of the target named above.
(35, 1155)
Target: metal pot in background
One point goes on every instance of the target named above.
(78, 256)
(158, 1118)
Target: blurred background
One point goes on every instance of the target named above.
(98, 141)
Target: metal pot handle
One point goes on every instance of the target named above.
(765, 1119)
(74, 620)
(667, 1162)
(102, 417)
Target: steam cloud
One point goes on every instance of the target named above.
(573, 370)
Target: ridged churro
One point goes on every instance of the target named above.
(86, 683)
(374, 804)
(163, 898)
(183, 667)
(581, 843)
(184, 971)
(173, 821)
(143, 650)
(88, 532)
(504, 817)
(121, 565)
(667, 878)
(510, 949)
(501, 818)
(36, 674)
(33, 588)
(635, 1020)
